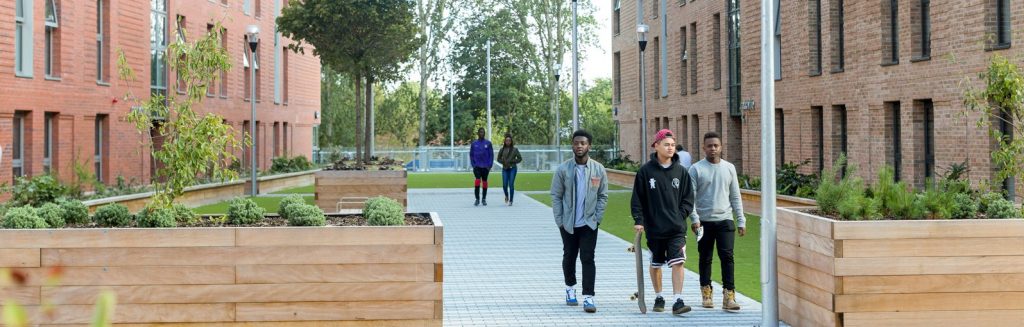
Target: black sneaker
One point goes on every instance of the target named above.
(680, 307)
(485, 202)
(659, 304)
(476, 203)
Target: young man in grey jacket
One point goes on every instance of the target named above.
(579, 195)
(718, 200)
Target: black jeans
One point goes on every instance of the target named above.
(581, 242)
(722, 234)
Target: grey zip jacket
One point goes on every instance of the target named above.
(563, 194)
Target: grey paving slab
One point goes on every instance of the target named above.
(502, 267)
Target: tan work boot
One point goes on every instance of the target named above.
(705, 297)
(729, 300)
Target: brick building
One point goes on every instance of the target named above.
(61, 100)
(878, 80)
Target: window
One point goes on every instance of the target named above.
(158, 48)
(656, 49)
(734, 57)
(890, 32)
(617, 72)
(48, 140)
(256, 66)
(778, 42)
(102, 47)
(734, 143)
(616, 8)
(1006, 128)
(838, 36)
(277, 143)
(246, 6)
(284, 74)
(247, 152)
(716, 47)
(654, 8)
(259, 8)
(927, 117)
(18, 153)
(780, 137)
(99, 144)
(23, 38)
(52, 39)
(246, 53)
(683, 75)
(814, 37)
(693, 58)
(998, 21)
(839, 140)
(211, 85)
(892, 135)
(922, 40)
(817, 136)
(684, 135)
(284, 139)
(180, 37)
(697, 140)
(224, 72)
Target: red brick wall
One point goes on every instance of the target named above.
(78, 98)
(957, 51)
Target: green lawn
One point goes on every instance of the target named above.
(747, 255)
(525, 181)
(271, 204)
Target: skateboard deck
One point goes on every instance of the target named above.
(638, 250)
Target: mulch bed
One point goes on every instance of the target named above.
(271, 220)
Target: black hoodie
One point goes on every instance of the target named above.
(662, 199)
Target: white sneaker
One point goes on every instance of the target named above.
(570, 297)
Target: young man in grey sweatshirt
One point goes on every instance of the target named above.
(718, 200)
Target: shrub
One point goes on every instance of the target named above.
(157, 217)
(113, 215)
(1000, 209)
(244, 211)
(183, 215)
(53, 214)
(75, 212)
(289, 165)
(384, 211)
(789, 180)
(964, 207)
(24, 217)
(37, 190)
(301, 214)
(287, 202)
(895, 200)
(939, 203)
(301, 163)
(831, 190)
(987, 199)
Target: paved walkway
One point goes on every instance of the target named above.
(502, 267)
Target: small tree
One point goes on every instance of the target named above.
(194, 145)
(1001, 104)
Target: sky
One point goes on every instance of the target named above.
(598, 63)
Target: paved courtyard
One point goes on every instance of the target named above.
(502, 267)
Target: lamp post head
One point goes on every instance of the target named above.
(558, 70)
(252, 33)
(641, 35)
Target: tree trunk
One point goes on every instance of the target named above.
(424, 75)
(369, 118)
(359, 117)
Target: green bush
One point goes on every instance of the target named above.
(113, 215)
(301, 214)
(939, 203)
(789, 180)
(287, 202)
(53, 214)
(831, 189)
(987, 199)
(855, 205)
(301, 163)
(288, 165)
(23, 218)
(384, 211)
(964, 207)
(895, 200)
(36, 191)
(1001, 209)
(183, 215)
(244, 211)
(157, 217)
(75, 212)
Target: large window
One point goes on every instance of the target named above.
(52, 54)
(890, 32)
(286, 133)
(778, 42)
(18, 143)
(684, 74)
(616, 9)
(892, 135)
(818, 134)
(922, 41)
(23, 38)
(839, 140)
(780, 137)
(158, 48)
(276, 137)
(99, 145)
(102, 47)
(1002, 29)
(48, 141)
(838, 36)
(716, 48)
(284, 75)
(693, 58)
(617, 76)
(224, 72)
(814, 24)
(179, 32)
(734, 57)
(656, 46)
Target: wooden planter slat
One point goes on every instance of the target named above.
(897, 273)
(146, 275)
(347, 273)
(332, 186)
(276, 255)
(364, 310)
(319, 236)
(25, 295)
(249, 293)
(137, 313)
(117, 237)
(19, 257)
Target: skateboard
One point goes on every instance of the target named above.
(639, 295)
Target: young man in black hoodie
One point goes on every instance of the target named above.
(662, 200)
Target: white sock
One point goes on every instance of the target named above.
(678, 296)
(657, 295)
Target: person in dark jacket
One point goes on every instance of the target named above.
(509, 157)
(662, 200)
(481, 156)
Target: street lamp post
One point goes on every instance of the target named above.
(252, 33)
(558, 112)
(575, 70)
(641, 37)
(489, 89)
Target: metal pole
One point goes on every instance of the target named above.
(489, 89)
(252, 122)
(575, 70)
(451, 121)
(558, 118)
(373, 129)
(643, 105)
(769, 282)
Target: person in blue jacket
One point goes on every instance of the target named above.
(481, 156)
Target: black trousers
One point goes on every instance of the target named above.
(581, 242)
(723, 235)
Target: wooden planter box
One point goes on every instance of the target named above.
(334, 185)
(900, 273)
(233, 276)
